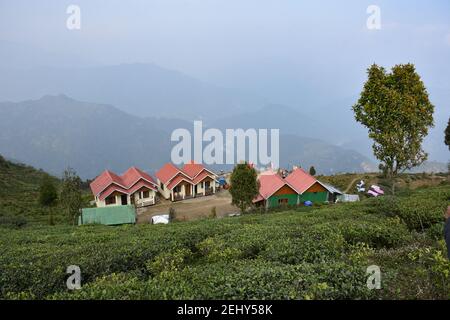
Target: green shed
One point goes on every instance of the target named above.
(112, 215)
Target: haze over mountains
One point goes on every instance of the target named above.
(141, 89)
(135, 71)
(56, 131)
(151, 91)
(130, 110)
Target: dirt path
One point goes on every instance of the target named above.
(351, 184)
(191, 209)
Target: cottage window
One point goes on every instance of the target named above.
(207, 184)
(162, 186)
(110, 200)
(146, 194)
(283, 201)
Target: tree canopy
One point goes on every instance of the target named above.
(395, 108)
(447, 134)
(70, 197)
(244, 186)
(47, 192)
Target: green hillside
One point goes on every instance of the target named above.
(304, 253)
(19, 191)
(347, 182)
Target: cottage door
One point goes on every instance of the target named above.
(188, 190)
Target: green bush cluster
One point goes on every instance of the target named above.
(245, 279)
(420, 210)
(315, 254)
(386, 233)
(13, 221)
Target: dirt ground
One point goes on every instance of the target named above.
(191, 209)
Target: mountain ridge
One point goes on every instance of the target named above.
(57, 131)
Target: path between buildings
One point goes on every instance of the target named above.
(191, 209)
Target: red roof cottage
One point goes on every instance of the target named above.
(192, 180)
(295, 189)
(275, 191)
(133, 187)
(309, 188)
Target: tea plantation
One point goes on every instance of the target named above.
(302, 253)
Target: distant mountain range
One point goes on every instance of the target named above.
(57, 131)
(316, 104)
(144, 90)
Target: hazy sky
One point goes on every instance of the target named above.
(213, 39)
(294, 52)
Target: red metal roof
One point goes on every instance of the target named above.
(192, 169)
(110, 189)
(300, 180)
(108, 181)
(174, 182)
(191, 172)
(141, 184)
(167, 173)
(269, 184)
(202, 176)
(133, 175)
(104, 180)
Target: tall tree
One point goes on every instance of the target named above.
(447, 134)
(312, 171)
(70, 195)
(48, 196)
(47, 192)
(395, 108)
(244, 186)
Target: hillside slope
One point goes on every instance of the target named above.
(19, 192)
(56, 131)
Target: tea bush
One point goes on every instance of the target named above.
(315, 245)
(420, 210)
(386, 233)
(319, 253)
(246, 279)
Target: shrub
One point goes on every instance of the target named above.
(385, 233)
(436, 231)
(13, 221)
(318, 244)
(419, 211)
(435, 265)
(214, 249)
(169, 261)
